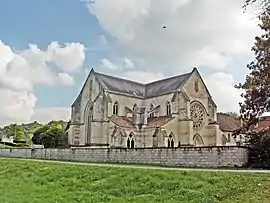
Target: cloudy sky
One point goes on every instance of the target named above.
(48, 47)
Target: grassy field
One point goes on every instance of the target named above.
(27, 182)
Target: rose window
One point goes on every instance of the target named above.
(197, 114)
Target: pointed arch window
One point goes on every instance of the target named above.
(168, 108)
(170, 141)
(198, 141)
(151, 108)
(130, 141)
(115, 108)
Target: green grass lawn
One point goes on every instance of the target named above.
(27, 182)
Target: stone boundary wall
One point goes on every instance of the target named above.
(227, 156)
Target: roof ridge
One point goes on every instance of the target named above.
(119, 78)
(169, 78)
(143, 90)
(144, 84)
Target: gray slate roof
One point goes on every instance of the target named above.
(121, 85)
(136, 89)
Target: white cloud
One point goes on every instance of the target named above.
(128, 64)
(207, 34)
(66, 79)
(107, 64)
(143, 77)
(117, 64)
(69, 58)
(44, 115)
(221, 87)
(20, 71)
(16, 106)
(212, 34)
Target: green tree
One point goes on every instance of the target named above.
(17, 132)
(51, 135)
(259, 153)
(257, 84)
(38, 134)
(257, 97)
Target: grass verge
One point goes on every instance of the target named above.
(37, 182)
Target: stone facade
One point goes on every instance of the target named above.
(184, 156)
(113, 112)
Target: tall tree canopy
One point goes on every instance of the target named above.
(52, 135)
(257, 84)
(17, 132)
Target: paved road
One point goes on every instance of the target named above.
(146, 167)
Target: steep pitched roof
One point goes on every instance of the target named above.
(121, 85)
(158, 121)
(140, 90)
(166, 85)
(122, 121)
(227, 122)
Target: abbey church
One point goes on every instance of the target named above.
(176, 111)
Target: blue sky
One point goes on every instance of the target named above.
(125, 39)
(41, 22)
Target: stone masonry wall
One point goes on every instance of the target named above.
(229, 156)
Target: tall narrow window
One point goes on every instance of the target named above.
(91, 85)
(196, 87)
(134, 107)
(130, 141)
(90, 88)
(170, 141)
(151, 108)
(168, 108)
(115, 108)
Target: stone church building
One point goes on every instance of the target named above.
(114, 112)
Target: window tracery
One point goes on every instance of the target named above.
(197, 114)
(170, 141)
(130, 141)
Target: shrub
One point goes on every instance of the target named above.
(259, 150)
